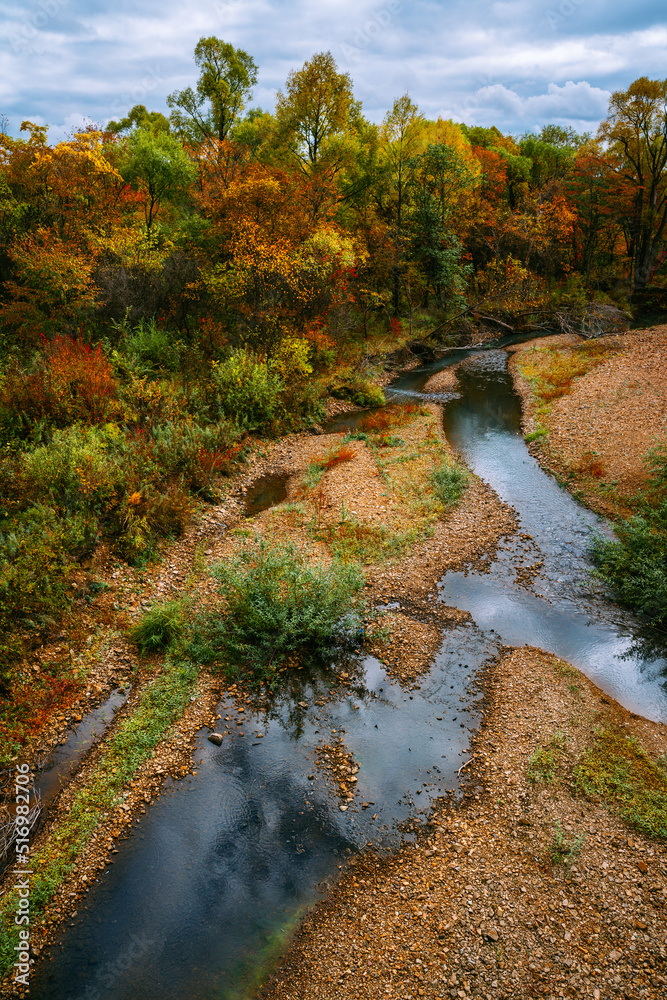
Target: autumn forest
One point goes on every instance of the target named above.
(170, 285)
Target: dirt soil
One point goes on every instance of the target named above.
(478, 907)
(613, 415)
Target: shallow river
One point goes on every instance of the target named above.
(204, 892)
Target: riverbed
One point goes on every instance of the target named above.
(206, 890)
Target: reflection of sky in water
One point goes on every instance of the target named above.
(484, 425)
(223, 864)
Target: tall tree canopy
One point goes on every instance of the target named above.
(636, 128)
(316, 107)
(227, 76)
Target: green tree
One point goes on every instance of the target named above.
(227, 76)
(636, 128)
(316, 109)
(158, 166)
(139, 117)
(401, 139)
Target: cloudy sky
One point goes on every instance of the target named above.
(517, 64)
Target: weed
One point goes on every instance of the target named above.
(277, 610)
(535, 435)
(564, 669)
(618, 770)
(353, 541)
(388, 417)
(565, 849)
(543, 763)
(390, 441)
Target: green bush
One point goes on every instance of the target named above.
(197, 452)
(448, 483)
(279, 610)
(246, 390)
(360, 391)
(634, 565)
(161, 627)
(149, 350)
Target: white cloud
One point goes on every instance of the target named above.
(484, 58)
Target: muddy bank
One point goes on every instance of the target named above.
(598, 433)
(483, 905)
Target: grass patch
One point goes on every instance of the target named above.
(448, 483)
(544, 762)
(278, 611)
(353, 541)
(551, 371)
(160, 705)
(535, 435)
(621, 773)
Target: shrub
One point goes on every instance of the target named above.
(161, 627)
(279, 609)
(360, 391)
(197, 452)
(448, 483)
(69, 381)
(246, 390)
(150, 349)
(634, 565)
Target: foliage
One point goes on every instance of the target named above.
(619, 770)
(634, 565)
(279, 611)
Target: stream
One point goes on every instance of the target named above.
(202, 896)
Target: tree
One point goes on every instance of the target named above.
(227, 76)
(159, 167)
(636, 128)
(139, 117)
(316, 108)
(401, 140)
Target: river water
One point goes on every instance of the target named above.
(205, 891)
